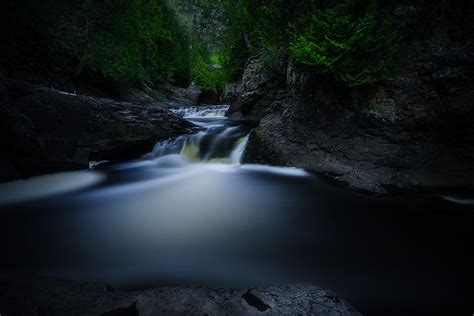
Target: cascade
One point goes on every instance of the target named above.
(219, 140)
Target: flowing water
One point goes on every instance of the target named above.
(189, 213)
(220, 141)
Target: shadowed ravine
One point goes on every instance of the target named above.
(190, 213)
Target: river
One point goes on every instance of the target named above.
(189, 212)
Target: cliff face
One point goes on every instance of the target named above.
(411, 131)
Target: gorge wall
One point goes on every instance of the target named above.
(413, 131)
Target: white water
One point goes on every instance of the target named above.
(217, 111)
(219, 141)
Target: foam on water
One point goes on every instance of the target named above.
(217, 111)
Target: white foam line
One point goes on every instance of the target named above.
(459, 200)
(48, 185)
(139, 186)
(277, 170)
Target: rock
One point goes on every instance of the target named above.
(258, 86)
(44, 131)
(413, 131)
(231, 92)
(28, 296)
(179, 96)
(209, 97)
(123, 311)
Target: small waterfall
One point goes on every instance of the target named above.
(220, 141)
(167, 147)
(217, 111)
(238, 152)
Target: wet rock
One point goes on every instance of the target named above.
(28, 296)
(44, 130)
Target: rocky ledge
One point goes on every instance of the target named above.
(43, 130)
(43, 296)
(413, 131)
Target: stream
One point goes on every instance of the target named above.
(189, 213)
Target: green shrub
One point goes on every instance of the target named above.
(350, 41)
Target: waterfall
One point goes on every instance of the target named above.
(219, 141)
(238, 152)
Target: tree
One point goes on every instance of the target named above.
(350, 41)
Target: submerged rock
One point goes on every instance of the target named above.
(43, 130)
(56, 297)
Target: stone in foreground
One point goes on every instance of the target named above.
(43, 296)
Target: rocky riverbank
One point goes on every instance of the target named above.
(43, 296)
(43, 130)
(413, 131)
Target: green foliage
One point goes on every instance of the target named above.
(128, 41)
(234, 56)
(349, 40)
(208, 77)
(271, 20)
(234, 47)
(353, 43)
(175, 48)
(148, 41)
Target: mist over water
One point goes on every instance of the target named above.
(190, 213)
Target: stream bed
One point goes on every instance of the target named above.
(188, 213)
